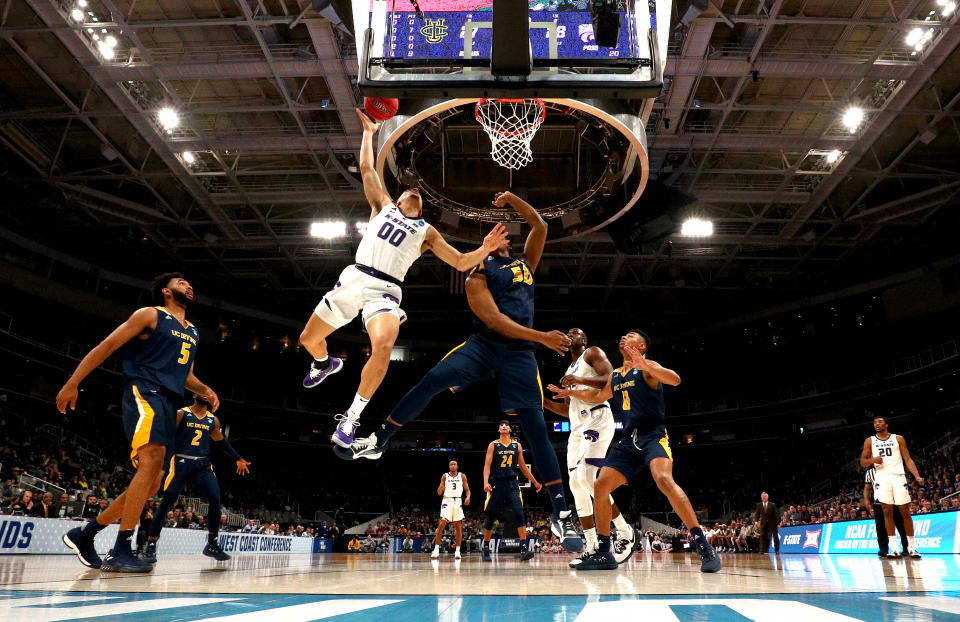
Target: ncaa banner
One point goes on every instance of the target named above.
(21, 535)
(934, 533)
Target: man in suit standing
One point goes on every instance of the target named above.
(769, 518)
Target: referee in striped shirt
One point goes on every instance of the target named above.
(883, 541)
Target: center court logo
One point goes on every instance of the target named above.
(435, 31)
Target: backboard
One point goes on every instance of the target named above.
(448, 48)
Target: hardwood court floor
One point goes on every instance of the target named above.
(361, 588)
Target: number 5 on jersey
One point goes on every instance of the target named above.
(184, 353)
(521, 274)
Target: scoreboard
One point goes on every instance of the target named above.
(440, 35)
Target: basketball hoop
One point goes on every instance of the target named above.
(511, 125)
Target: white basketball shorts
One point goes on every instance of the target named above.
(891, 489)
(451, 510)
(587, 446)
(355, 293)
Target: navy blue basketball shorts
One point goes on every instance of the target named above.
(513, 365)
(633, 452)
(149, 416)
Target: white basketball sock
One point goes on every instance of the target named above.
(623, 527)
(357, 407)
(910, 543)
(591, 535)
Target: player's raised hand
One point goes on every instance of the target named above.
(211, 397)
(67, 397)
(502, 198)
(570, 380)
(369, 125)
(558, 391)
(556, 341)
(242, 467)
(496, 238)
(634, 359)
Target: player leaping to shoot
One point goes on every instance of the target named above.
(500, 294)
(395, 238)
(635, 392)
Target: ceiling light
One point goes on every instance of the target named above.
(111, 41)
(105, 50)
(696, 227)
(852, 118)
(167, 117)
(76, 15)
(188, 157)
(362, 226)
(948, 8)
(82, 4)
(833, 156)
(328, 229)
(914, 36)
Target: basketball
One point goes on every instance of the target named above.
(381, 108)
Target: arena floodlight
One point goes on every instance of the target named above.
(188, 157)
(362, 226)
(168, 117)
(111, 41)
(105, 50)
(948, 9)
(328, 229)
(82, 4)
(914, 36)
(76, 15)
(852, 118)
(833, 156)
(696, 228)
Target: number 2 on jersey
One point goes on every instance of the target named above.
(506, 461)
(196, 439)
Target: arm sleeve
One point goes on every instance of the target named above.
(228, 449)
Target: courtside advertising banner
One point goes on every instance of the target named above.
(21, 535)
(935, 533)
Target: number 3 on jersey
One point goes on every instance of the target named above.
(521, 274)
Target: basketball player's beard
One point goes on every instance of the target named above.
(181, 298)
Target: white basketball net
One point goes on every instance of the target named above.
(511, 125)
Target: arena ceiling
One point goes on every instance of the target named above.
(750, 123)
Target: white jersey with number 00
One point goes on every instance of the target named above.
(392, 242)
(453, 485)
(579, 411)
(889, 450)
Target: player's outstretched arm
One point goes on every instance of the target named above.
(484, 307)
(866, 456)
(588, 395)
(557, 408)
(372, 184)
(908, 460)
(526, 469)
(221, 441)
(533, 247)
(141, 320)
(486, 468)
(193, 384)
(650, 369)
(464, 261)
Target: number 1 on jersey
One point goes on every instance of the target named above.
(626, 400)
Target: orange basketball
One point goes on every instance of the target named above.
(381, 108)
